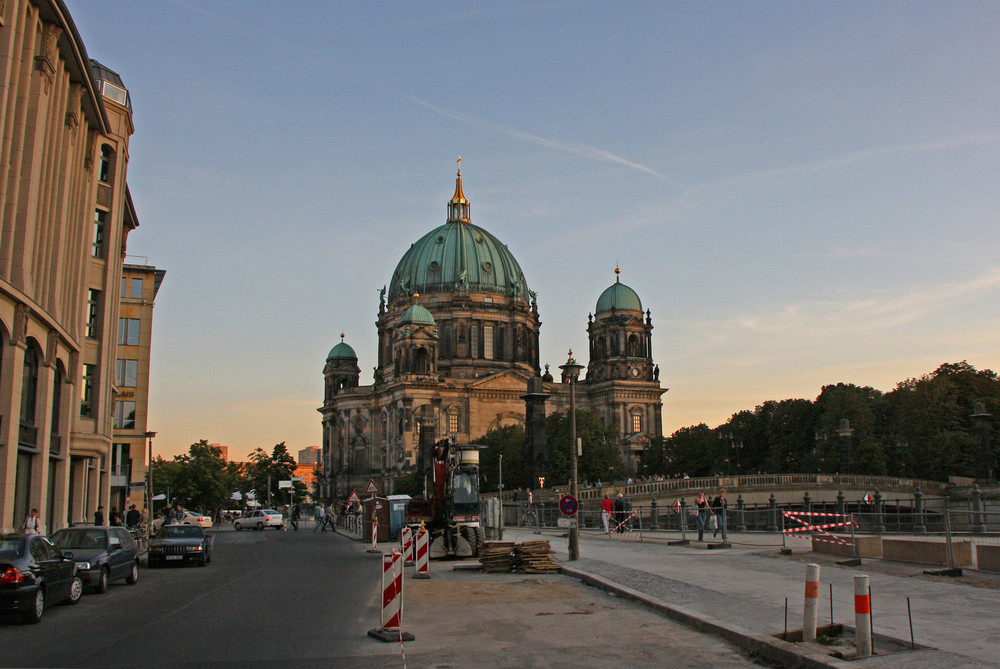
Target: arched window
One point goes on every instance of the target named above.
(453, 416)
(636, 421)
(28, 434)
(633, 346)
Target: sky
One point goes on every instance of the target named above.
(802, 194)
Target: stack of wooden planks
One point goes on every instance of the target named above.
(497, 556)
(534, 557)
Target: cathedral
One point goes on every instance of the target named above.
(458, 332)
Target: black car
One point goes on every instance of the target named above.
(180, 544)
(35, 574)
(102, 554)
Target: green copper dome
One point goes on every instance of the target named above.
(342, 352)
(416, 315)
(458, 256)
(619, 297)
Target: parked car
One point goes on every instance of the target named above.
(35, 574)
(180, 544)
(102, 554)
(260, 519)
(190, 518)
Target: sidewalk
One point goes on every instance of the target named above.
(739, 593)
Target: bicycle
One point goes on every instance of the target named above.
(141, 539)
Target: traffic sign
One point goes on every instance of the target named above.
(677, 506)
(372, 488)
(868, 498)
(568, 505)
(354, 499)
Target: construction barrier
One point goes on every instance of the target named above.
(821, 529)
(810, 613)
(392, 603)
(422, 546)
(862, 617)
(392, 589)
(406, 544)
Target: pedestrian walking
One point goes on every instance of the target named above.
(704, 513)
(607, 507)
(296, 514)
(32, 525)
(132, 517)
(719, 508)
(328, 518)
(621, 508)
(99, 516)
(317, 517)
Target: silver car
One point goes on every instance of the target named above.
(260, 519)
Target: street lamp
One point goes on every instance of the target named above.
(571, 370)
(149, 485)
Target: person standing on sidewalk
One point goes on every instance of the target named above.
(704, 513)
(607, 506)
(621, 510)
(719, 508)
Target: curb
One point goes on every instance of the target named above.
(756, 645)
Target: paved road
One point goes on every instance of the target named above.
(304, 599)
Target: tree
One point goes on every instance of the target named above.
(693, 450)
(601, 457)
(265, 470)
(204, 480)
(509, 442)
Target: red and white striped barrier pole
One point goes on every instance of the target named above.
(862, 617)
(406, 544)
(810, 613)
(423, 537)
(392, 602)
(392, 589)
(374, 548)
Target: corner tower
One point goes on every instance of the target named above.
(623, 380)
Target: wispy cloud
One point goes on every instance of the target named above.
(579, 149)
(865, 155)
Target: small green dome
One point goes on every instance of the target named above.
(342, 352)
(416, 315)
(619, 297)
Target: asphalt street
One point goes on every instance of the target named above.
(305, 599)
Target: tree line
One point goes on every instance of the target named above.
(202, 479)
(923, 429)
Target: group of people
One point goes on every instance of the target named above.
(620, 510)
(707, 511)
(132, 517)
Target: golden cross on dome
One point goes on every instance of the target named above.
(460, 164)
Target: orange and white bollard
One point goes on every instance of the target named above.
(862, 617)
(422, 541)
(406, 544)
(810, 613)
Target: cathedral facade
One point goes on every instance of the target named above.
(458, 342)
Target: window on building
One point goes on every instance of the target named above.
(473, 341)
(93, 310)
(636, 422)
(87, 384)
(104, 172)
(447, 346)
(453, 421)
(128, 331)
(136, 293)
(488, 342)
(127, 373)
(100, 221)
(124, 415)
(29, 386)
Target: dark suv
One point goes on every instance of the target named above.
(102, 554)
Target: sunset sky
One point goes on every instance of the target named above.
(800, 193)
